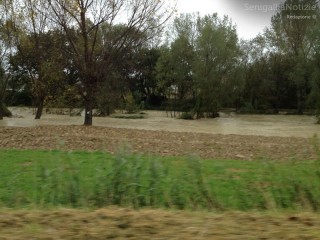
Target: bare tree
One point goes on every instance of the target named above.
(90, 50)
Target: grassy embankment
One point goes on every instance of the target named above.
(41, 179)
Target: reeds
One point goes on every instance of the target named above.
(95, 180)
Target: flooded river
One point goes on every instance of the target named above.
(264, 125)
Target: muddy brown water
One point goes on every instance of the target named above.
(262, 125)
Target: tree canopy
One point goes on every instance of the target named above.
(108, 54)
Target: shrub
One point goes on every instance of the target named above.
(186, 116)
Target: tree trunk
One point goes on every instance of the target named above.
(1, 110)
(39, 109)
(4, 111)
(300, 105)
(88, 113)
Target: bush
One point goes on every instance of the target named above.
(130, 104)
(247, 108)
(186, 116)
(129, 116)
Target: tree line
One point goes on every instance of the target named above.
(108, 54)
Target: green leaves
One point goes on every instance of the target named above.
(217, 55)
(200, 63)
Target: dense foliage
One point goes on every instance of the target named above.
(77, 60)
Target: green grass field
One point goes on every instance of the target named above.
(42, 179)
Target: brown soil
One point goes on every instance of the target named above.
(157, 142)
(116, 223)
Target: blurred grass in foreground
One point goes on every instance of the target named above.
(44, 179)
(146, 224)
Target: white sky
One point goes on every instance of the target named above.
(249, 22)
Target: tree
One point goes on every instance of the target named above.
(174, 73)
(3, 80)
(314, 98)
(41, 62)
(82, 21)
(281, 91)
(33, 46)
(175, 65)
(164, 76)
(201, 69)
(289, 36)
(143, 83)
(6, 49)
(217, 58)
(262, 77)
(131, 74)
(4, 112)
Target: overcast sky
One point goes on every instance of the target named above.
(250, 16)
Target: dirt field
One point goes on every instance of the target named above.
(116, 223)
(157, 142)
